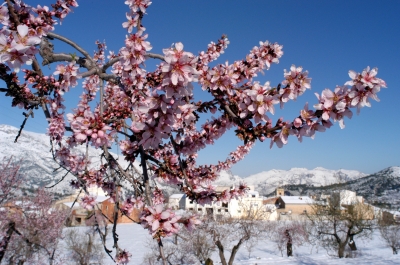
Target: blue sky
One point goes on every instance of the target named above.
(327, 38)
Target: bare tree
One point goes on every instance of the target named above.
(287, 234)
(390, 232)
(84, 248)
(250, 244)
(229, 234)
(337, 225)
(175, 252)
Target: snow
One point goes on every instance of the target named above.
(101, 198)
(267, 181)
(176, 196)
(297, 199)
(69, 204)
(373, 251)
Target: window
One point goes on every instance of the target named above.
(191, 202)
(225, 204)
(200, 209)
(190, 209)
(219, 210)
(253, 195)
(239, 211)
(78, 219)
(226, 210)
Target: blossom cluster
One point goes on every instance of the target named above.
(68, 76)
(123, 257)
(160, 222)
(18, 38)
(88, 202)
(332, 106)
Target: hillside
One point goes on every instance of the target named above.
(33, 150)
(267, 181)
(380, 189)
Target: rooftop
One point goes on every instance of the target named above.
(297, 199)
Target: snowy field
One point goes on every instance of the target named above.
(372, 251)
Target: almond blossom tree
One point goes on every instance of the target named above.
(155, 111)
(29, 225)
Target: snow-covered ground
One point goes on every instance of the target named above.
(372, 251)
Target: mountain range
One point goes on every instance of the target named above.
(33, 150)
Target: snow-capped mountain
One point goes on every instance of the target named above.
(380, 189)
(267, 181)
(33, 150)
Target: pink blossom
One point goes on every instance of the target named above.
(191, 222)
(131, 23)
(88, 202)
(281, 137)
(138, 5)
(123, 257)
(160, 223)
(180, 65)
(4, 17)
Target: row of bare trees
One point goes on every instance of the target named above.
(333, 226)
(30, 231)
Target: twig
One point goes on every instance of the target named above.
(145, 176)
(23, 124)
(58, 181)
(155, 56)
(180, 162)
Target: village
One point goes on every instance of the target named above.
(283, 206)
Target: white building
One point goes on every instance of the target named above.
(249, 205)
(176, 201)
(346, 197)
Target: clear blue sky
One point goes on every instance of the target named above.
(327, 38)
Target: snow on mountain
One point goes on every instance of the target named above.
(33, 149)
(226, 178)
(37, 166)
(267, 181)
(381, 188)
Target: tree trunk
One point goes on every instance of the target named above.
(289, 249)
(209, 262)
(394, 250)
(341, 250)
(234, 251)
(6, 240)
(221, 252)
(88, 249)
(352, 244)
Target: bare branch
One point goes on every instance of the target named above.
(73, 44)
(30, 113)
(155, 56)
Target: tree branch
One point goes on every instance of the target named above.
(73, 44)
